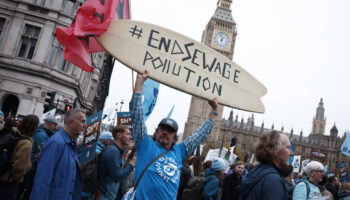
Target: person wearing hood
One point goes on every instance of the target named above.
(264, 182)
(213, 179)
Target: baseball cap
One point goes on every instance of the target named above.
(106, 135)
(169, 122)
(50, 119)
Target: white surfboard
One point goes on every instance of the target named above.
(182, 63)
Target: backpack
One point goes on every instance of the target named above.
(290, 190)
(90, 179)
(195, 187)
(8, 142)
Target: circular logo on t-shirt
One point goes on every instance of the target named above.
(168, 169)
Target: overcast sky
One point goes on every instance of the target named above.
(299, 49)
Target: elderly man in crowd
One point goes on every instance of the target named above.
(264, 181)
(58, 173)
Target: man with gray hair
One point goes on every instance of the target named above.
(308, 189)
(58, 173)
(264, 181)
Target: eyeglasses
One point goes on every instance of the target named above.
(320, 171)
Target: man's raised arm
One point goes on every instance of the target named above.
(192, 142)
(139, 130)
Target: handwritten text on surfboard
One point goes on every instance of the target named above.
(187, 53)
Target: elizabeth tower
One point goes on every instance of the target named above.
(219, 34)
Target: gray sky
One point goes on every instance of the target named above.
(299, 49)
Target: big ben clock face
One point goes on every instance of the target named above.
(221, 39)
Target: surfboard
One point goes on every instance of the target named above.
(182, 63)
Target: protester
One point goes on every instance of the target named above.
(232, 182)
(105, 139)
(185, 176)
(333, 186)
(20, 158)
(58, 173)
(264, 181)
(129, 181)
(207, 164)
(42, 134)
(314, 171)
(287, 174)
(213, 179)
(161, 180)
(110, 164)
(323, 189)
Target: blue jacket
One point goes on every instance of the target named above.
(42, 134)
(263, 182)
(110, 168)
(58, 175)
(212, 188)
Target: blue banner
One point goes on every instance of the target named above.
(150, 95)
(91, 135)
(345, 148)
(291, 158)
(343, 172)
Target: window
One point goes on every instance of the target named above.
(69, 7)
(28, 41)
(57, 55)
(92, 88)
(63, 64)
(2, 24)
(45, 3)
(54, 48)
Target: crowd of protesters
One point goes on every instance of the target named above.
(43, 163)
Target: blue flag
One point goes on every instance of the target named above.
(345, 148)
(171, 112)
(292, 156)
(150, 95)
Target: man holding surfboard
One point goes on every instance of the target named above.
(162, 177)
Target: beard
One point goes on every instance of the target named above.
(163, 140)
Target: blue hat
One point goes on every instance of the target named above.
(169, 122)
(50, 119)
(2, 114)
(218, 164)
(106, 135)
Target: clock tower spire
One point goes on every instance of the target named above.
(219, 34)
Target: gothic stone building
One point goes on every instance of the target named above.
(32, 64)
(246, 135)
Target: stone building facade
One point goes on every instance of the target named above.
(246, 134)
(32, 64)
